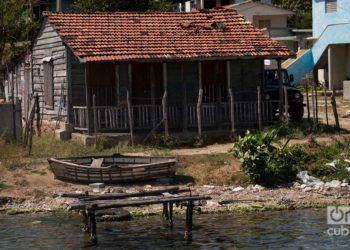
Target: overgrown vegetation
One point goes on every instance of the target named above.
(264, 160)
(304, 128)
(15, 26)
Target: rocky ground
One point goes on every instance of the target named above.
(304, 194)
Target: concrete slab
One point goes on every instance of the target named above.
(107, 139)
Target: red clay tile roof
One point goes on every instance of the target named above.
(125, 36)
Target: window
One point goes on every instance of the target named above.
(48, 83)
(265, 23)
(331, 6)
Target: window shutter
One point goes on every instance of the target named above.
(331, 6)
(48, 83)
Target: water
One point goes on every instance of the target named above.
(301, 229)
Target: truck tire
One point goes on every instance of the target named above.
(296, 114)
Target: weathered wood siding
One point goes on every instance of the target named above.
(49, 44)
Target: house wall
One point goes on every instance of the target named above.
(255, 11)
(47, 44)
(321, 19)
(276, 21)
(338, 65)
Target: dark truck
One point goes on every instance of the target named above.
(271, 93)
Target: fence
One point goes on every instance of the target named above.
(146, 116)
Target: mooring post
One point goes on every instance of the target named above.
(92, 225)
(85, 221)
(189, 218)
(171, 223)
(165, 211)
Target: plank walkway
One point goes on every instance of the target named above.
(89, 204)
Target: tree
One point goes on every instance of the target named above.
(122, 5)
(303, 12)
(15, 25)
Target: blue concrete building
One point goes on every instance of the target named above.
(330, 54)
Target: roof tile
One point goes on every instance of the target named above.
(122, 36)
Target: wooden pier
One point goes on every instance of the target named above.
(89, 204)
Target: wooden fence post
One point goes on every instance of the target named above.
(285, 90)
(200, 99)
(95, 117)
(280, 83)
(334, 107)
(325, 103)
(131, 124)
(184, 101)
(232, 108)
(259, 108)
(307, 99)
(165, 100)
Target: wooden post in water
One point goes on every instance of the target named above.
(165, 211)
(200, 99)
(165, 100)
(171, 222)
(92, 225)
(259, 108)
(189, 221)
(335, 112)
(85, 222)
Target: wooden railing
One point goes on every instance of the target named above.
(146, 116)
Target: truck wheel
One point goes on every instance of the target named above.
(296, 114)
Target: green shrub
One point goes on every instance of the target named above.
(198, 141)
(163, 141)
(264, 160)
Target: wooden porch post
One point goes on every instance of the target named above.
(280, 107)
(128, 99)
(87, 96)
(153, 96)
(229, 87)
(165, 100)
(200, 99)
(184, 100)
(117, 84)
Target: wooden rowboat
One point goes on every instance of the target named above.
(112, 169)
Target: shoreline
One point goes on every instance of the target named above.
(245, 200)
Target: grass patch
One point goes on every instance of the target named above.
(304, 128)
(39, 172)
(3, 185)
(22, 183)
(218, 169)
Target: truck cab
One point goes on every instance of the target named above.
(271, 93)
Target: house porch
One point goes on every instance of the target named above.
(172, 96)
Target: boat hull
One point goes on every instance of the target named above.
(117, 169)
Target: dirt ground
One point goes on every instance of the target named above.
(216, 172)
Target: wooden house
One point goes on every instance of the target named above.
(121, 71)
